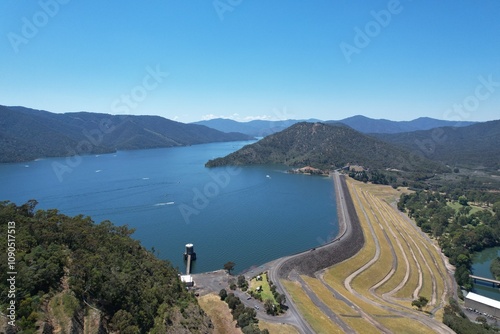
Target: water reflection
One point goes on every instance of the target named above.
(481, 267)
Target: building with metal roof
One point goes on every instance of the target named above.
(482, 304)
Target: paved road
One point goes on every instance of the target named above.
(298, 321)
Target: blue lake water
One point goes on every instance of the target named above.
(481, 267)
(248, 215)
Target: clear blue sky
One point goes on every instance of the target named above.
(248, 59)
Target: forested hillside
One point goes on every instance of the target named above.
(328, 147)
(474, 146)
(27, 134)
(75, 276)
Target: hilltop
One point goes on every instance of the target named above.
(327, 147)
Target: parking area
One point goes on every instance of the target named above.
(472, 314)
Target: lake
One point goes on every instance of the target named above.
(249, 215)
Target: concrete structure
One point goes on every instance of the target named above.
(483, 304)
(189, 255)
(493, 282)
(190, 251)
(188, 280)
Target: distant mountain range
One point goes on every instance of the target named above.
(27, 134)
(256, 128)
(369, 125)
(259, 128)
(327, 146)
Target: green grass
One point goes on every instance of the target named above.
(456, 206)
(266, 289)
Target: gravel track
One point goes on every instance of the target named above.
(348, 243)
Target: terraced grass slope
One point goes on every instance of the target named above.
(372, 291)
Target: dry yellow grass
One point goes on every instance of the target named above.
(220, 314)
(400, 248)
(347, 267)
(380, 269)
(348, 315)
(274, 328)
(337, 306)
(319, 322)
(405, 325)
(414, 254)
(384, 218)
(381, 213)
(376, 205)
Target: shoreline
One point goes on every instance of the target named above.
(345, 224)
(346, 244)
(349, 234)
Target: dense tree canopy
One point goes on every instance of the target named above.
(460, 233)
(101, 265)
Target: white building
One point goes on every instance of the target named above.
(483, 304)
(188, 280)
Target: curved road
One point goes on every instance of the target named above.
(347, 243)
(313, 262)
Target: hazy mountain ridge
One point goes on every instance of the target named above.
(256, 128)
(370, 125)
(472, 146)
(27, 134)
(262, 128)
(326, 146)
